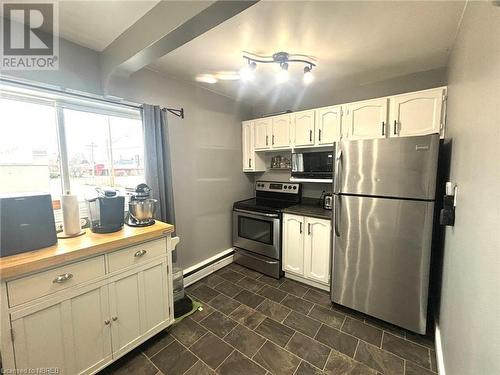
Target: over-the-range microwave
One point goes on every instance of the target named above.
(313, 165)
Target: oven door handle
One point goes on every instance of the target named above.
(255, 213)
(260, 259)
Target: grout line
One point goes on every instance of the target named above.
(382, 341)
(258, 350)
(356, 350)
(194, 364)
(206, 333)
(232, 329)
(224, 360)
(193, 353)
(156, 367)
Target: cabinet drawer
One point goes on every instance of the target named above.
(136, 254)
(40, 284)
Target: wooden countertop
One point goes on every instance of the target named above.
(73, 249)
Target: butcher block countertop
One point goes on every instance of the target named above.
(72, 249)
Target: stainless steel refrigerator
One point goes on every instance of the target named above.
(384, 192)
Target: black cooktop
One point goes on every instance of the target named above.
(263, 205)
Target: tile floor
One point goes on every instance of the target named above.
(253, 324)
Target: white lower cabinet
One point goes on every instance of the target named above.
(138, 305)
(317, 250)
(306, 247)
(293, 244)
(71, 335)
(85, 327)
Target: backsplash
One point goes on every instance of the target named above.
(309, 189)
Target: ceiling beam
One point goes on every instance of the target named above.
(163, 29)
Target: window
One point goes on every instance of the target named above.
(29, 151)
(103, 142)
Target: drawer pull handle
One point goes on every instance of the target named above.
(114, 318)
(140, 253)
(62, 278)
(107, 322)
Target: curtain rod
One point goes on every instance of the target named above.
(175, 111)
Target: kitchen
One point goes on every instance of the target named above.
(373, 262)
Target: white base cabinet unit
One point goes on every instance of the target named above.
(306, 248)
(82, 328)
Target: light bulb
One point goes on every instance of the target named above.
(206, 78)
(248, 72)
(308, 76)
(282, 76)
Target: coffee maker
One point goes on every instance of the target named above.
(106, 211)
(141, 207)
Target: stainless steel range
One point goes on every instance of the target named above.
(257, 226)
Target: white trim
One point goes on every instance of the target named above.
(203, 272)
(439, 351)
(307, 281)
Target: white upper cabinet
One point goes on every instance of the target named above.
(417, 113)
(303, 129)
(280, 131)
(317, 250)
(262, 133)
(367, 119)
(252, 161)
(293, 244)
(328, 125)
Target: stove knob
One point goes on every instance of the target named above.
(295, 188)
(285, 187)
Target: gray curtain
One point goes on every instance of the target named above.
(157, 162)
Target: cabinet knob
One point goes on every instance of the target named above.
(140, 253)
(107, 322)
(114, 318)
(62, 278)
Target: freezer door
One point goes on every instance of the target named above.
(381, 258)
(403, 167)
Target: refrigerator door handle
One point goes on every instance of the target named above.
(338, 162)
(336, 216)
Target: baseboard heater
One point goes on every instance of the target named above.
(213, 261)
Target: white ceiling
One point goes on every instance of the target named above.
(355, 42)
(95, 24)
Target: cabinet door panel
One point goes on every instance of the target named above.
(280, 131)
(246, 145)
(155, 296)
(293, 244)
(40, 340)
(126, 307)
(416, 113)
(262, 131)
(329, 125)
(91, 336)
(367, 120)
(317, 250)
(69, 334)
(303, 129)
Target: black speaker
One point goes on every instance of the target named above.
(26, 223)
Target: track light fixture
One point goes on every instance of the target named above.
(281, 58)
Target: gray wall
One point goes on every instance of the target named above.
(468, 321)
(206, 161)
(206, 146)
